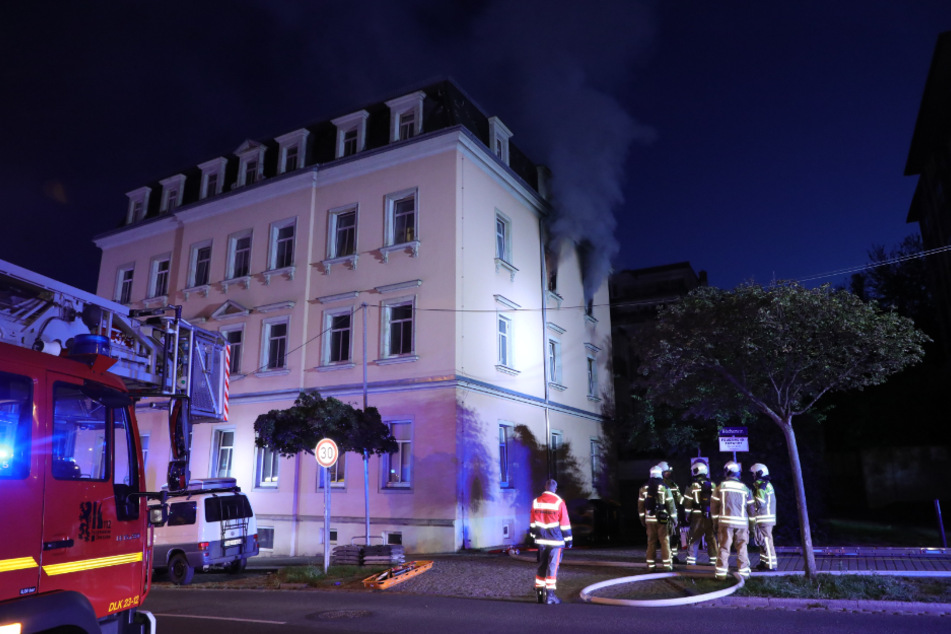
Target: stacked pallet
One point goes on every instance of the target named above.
(347, 556)
(389, 555)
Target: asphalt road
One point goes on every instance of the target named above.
(198, 611)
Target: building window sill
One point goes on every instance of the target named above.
(201, 290)
(502, 264)
(241, 281)
(338, 365)
(158, 300)
(287, 271)
(557, 386)
(347, 259)
(405, 358)
(275, 372)
(412, 247)
(507, 370)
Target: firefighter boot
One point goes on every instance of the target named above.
(540, 594)
(551, 598)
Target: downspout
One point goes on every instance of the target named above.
(544, 295)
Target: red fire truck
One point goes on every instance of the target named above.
(76, 536)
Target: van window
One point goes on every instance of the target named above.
(16, 414)
(182, 513)
(227, 507)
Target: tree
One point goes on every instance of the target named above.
(772, 351)
(312, 417)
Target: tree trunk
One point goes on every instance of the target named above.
(808, 555)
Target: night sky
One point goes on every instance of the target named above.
(757, 141)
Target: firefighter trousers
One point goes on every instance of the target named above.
(728, 536)
(549, 558)
(701, 527)
(764, 537)
(658, 537)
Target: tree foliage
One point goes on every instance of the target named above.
(312, 417)
(774, 352)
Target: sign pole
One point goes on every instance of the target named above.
(326, 453)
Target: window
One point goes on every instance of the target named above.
(172, 188)
(282, 244)
(267, 463)
(335, 473)
(505, 441)
(401, 218)
(16, 418)
(398, 328)
(595, 445)
(343, 232)
(235, 340)
(138, 204)
(351, 133)
(275, 345)
(551, 266)
(161, 265)
(397, 465)
(554, 361)
(200, 267)
(250, 171)
(503, 238)
(592, 377)
(505, 341)
(239, 254)
(80, 444)
(292, 150)
(266, 537)
(212, 177)
(124, 284)
(337, 335)
(406, 116)
(223, 453)
(499, 136)
(555, 446)
(251, 159)
(144, 441)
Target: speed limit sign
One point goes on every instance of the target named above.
(327, 452)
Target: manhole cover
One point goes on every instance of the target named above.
(331, 615)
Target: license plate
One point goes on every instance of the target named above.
(234, 542)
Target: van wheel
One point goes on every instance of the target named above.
(236, 566)
(179, 571)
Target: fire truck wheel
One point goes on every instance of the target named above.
(179, 571)
(236, 566)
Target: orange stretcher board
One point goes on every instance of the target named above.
(397, 574)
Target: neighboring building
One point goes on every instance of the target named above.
(930, 159)
(419, 218)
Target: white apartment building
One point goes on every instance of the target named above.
(394, 253)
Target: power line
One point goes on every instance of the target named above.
(898, 260)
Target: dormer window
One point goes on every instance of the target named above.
(138, 205)
(351, 133)
(292, 146)
(406, 116)
(212, 177)
(499, 136)
(251, 162)
(172, 189)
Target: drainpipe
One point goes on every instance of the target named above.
(541, 252)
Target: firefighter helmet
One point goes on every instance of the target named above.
(699, 468)
(759, 470)
(664, 466)
(731, 470)
(656, 472)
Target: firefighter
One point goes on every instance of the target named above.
(657, 509)
(697, 509)
(668, 474)
(764, 516)
(551, 531)
(731, 507)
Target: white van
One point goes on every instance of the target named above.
(211, 526)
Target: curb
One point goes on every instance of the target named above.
(839, 605)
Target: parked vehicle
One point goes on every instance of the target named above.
(210, 526)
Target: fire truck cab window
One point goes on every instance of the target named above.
(80, 441)
(16, 414)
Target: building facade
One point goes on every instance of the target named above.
(395, 254)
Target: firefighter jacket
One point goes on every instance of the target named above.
(663, 499)
(550, 524)
(698, 498)
(764, 503)
(732, 504)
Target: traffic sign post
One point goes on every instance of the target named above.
(326, 453)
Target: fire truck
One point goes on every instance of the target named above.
(77, 520)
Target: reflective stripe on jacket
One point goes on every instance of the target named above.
(692, 503)
(732, 503)
(550, 524)
(664, 499)
(764, 503)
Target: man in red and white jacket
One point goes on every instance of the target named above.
(551, 531)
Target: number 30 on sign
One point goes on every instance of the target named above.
(327, 452)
